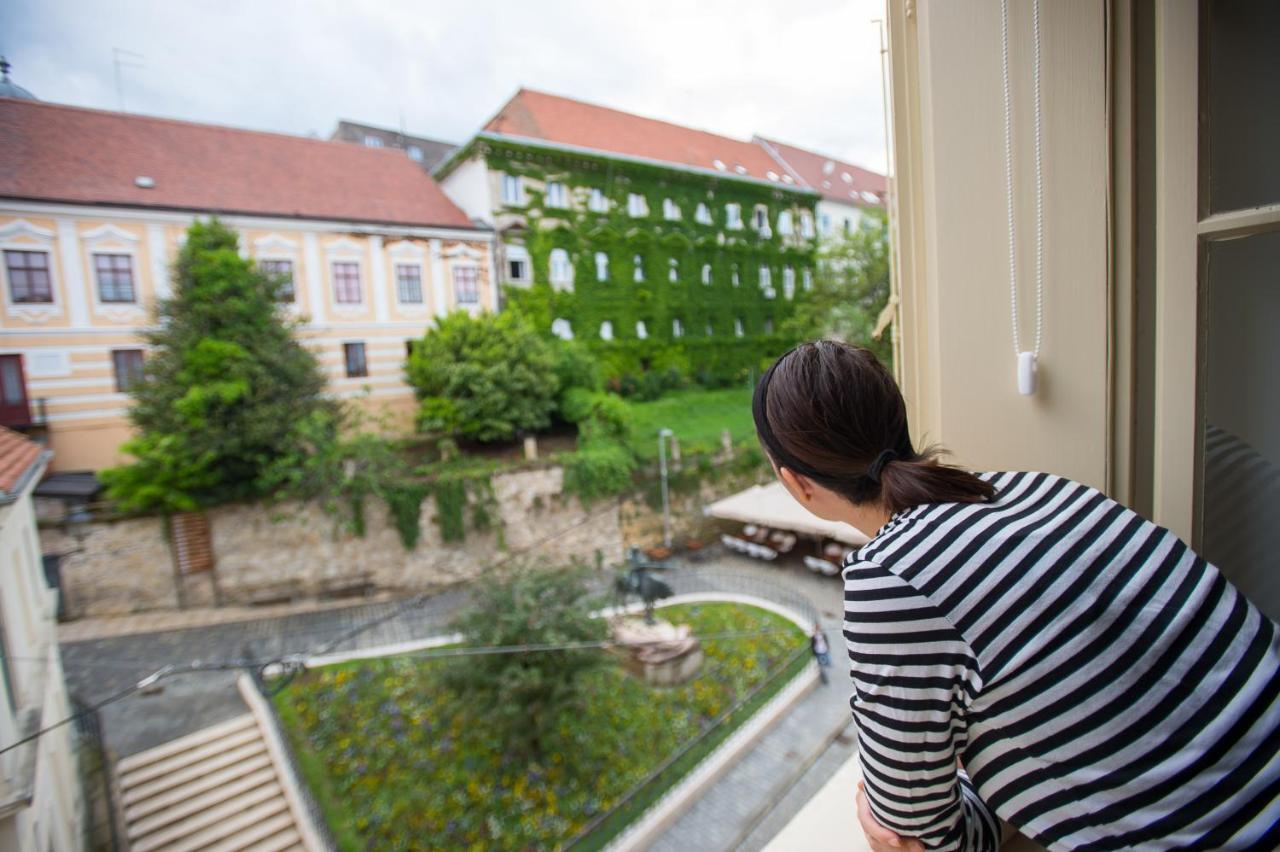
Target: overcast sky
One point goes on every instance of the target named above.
(802, 71)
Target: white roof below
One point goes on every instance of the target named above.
(771, 506)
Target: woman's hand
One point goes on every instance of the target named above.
(880, 838)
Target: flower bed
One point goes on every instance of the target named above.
(396, 761)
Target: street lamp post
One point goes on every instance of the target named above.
(663, 435)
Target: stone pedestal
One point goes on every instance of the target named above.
(663, 654)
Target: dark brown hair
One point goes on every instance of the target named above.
(831, 412)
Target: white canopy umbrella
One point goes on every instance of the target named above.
(771, 506)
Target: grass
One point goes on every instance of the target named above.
(696, 416)
(395, 760)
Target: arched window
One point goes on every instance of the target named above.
(703, 215)
(637, 273)
(733, 216)
(677, 329)
(561, 269)
(606, 330)
(789, 282)
(784, 223)
(734, 270)
(737, 328)
(706, 273)
(602, 266)
(597, 203)
(641, 331)
(673, 270)
(670, 210)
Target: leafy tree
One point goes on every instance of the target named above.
(224, 389)
(525, 693)
(850, 289)
(484, 377)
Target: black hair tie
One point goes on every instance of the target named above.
(873, 472)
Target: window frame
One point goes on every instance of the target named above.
(336, 281)
(602, 265)
(48, 275)
(126, 375)
(733, 216)
(468, 281)
(560, 266)
(353, 369)
(512, 190)
(287, 294)
(396, 270)
(97, 277)
(557, 195)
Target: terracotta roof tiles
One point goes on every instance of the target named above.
(836, 180)
(50, 152)
(17, 454)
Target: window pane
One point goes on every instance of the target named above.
(1240, 500)
(127, 364)
(1244, 121)
(409, 283)
(346, 282)
(283, 271)
(114, 273)
(466, 289)
(354, 355)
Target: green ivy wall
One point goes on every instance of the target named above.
(620, 299)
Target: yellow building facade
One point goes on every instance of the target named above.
(80, 286)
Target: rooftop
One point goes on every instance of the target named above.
(18, 454)
(57, 153)
(550, 118)
(429, 152)
(836, 180)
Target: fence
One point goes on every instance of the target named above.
(95, 771)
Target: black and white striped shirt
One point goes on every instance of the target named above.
(1102, 685)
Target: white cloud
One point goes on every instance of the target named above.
(806, 71)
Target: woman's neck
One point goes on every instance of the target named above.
(868, 517)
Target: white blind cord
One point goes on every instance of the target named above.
(1027, 385)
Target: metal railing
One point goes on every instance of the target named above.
(100, 828)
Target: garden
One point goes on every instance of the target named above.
(509, 751)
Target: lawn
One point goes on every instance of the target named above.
(397, 761)
(696, 416)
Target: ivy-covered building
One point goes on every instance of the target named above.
(659, 245)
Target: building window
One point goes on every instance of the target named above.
(806, 278)
(709, 330)
(511, 190)
(637, 272)
(760, 218)
(115, 277)
(281, 272)
(562, 329)
(733, 216)
(606, 330)
(602, 266)
(557, 195)
(766, 278)
(784, 223)
(706, 273)
(702, 215)
(737, 328)
(670, 210)
(768, 325)
(561, 269)
(806, 224)
(409, 283)
(517, 264)
(673, 270)
(677, 329)
(848, 226)
(642, 331)
(28, 276)
(372, 141)
(415, 153)
(824, 223)
(346, 282)
(734, 274)
(597, 203)
(353, 355)
(636, 205)
(127, 365)
(466, 285)
(789, 282)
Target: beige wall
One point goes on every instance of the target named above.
(66, 346)
(44, 770)
(958, 367)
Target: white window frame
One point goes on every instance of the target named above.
(806, 224)
(788, 282)
(642, 330)
(735, 279)
(806, 278)
(733, 216)
(637, 268)
(396, 264)
(109, 239)
(786, 226)
(346, 251)
(454, 267)
(637, 205)
(706, 273)
(677, 327)
(673, 270)
(670, 210)
(560, 268)
(703, 214)
(738, 330)
(562, 328)
(520, 255)
(512, 190)
(597, 201)
(602, 266)
(21, 235)
(606, 330)
(557, 195)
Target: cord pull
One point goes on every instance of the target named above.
(1027, 373)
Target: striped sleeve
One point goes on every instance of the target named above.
(913, 678)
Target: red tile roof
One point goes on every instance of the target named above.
(50, 152)
(551, 118)
(828, 175)
(17, 455)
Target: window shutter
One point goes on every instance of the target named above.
(191, 542)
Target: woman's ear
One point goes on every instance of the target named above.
(800, 487)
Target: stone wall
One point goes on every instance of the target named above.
(299, 549)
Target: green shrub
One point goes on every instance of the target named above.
(576, 405)
(598, 470)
